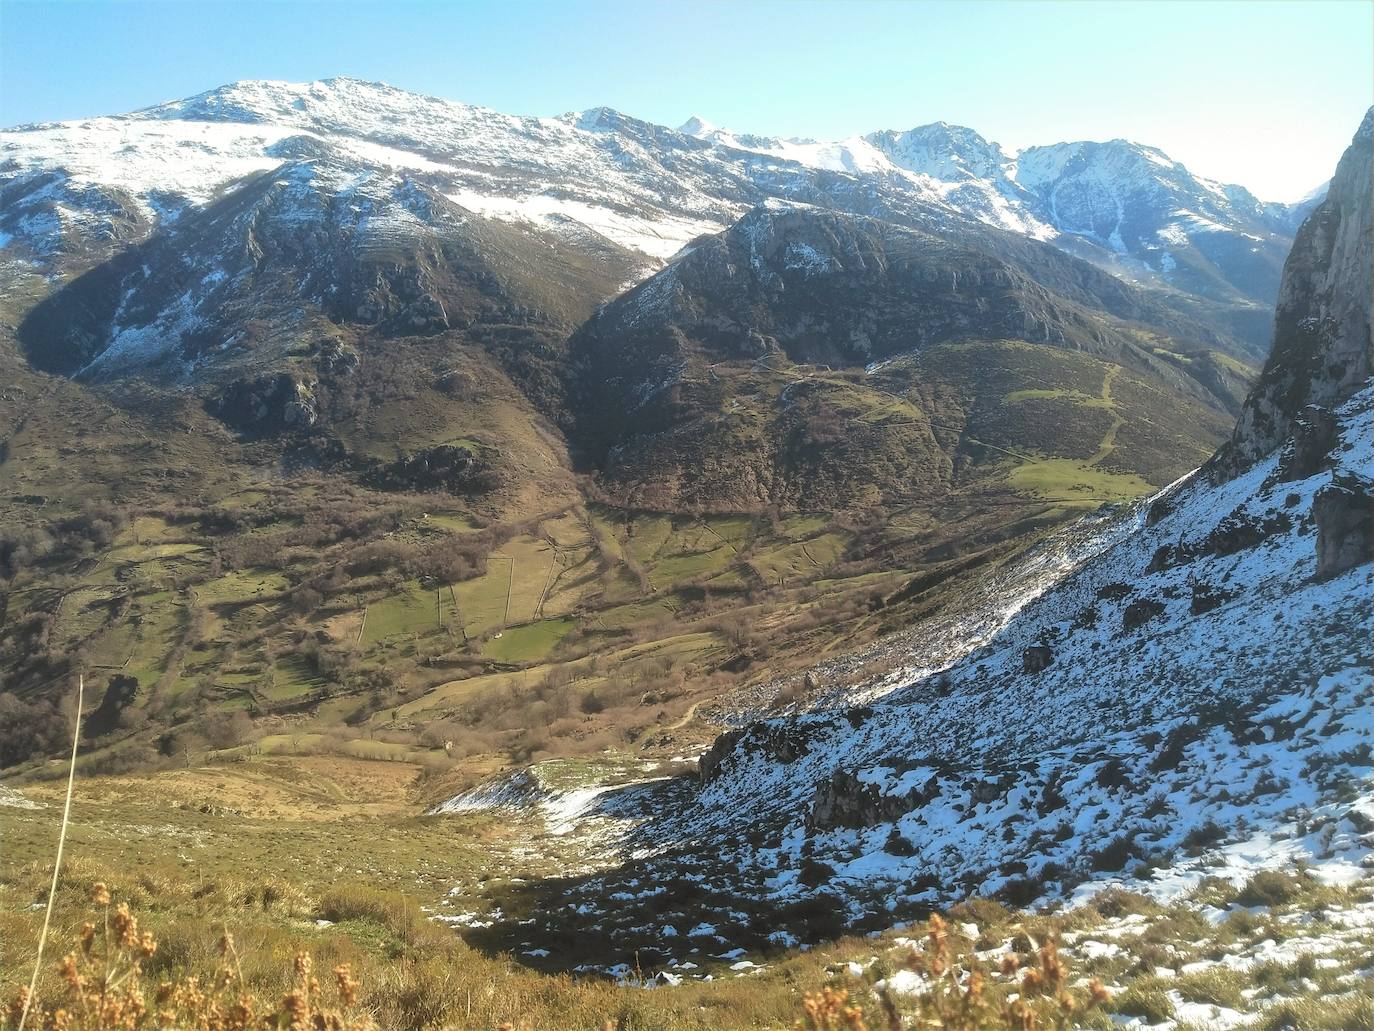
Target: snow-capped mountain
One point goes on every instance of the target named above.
(1150, 211)
(1181, 689)
(1121, 204)
(259, 244)
(75, 192)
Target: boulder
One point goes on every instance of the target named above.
(845, 801)
(1344, 513)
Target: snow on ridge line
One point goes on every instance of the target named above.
(192, 148)
(658, 238)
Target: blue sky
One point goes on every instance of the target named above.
(1266, 94)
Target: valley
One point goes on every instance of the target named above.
(575, 570)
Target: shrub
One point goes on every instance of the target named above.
(29, 728)
(1341, 1013)
(1115, 855)
(1272, 888)
(1219, 986)
(1145, 1000)
(958, 993)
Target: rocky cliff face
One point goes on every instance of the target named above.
(1324, 324)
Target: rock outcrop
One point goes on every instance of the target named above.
(844, 800)
(1314, 432)
(1324, 324)
(267, 404)
(443, 467)
(708, 765)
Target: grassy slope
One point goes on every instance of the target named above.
(1057, 423)
(270, 847)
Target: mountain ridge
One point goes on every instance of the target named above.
(240, 257)
(715, 176)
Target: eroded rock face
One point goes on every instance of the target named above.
(1324, 323)
(1314, 434)
(1344, 513)
(845, 801)
(401, 299)
(335, 358)
(708, 765)
(779, 741)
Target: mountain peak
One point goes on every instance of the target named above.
(338, 102)
(697, 126)
(941, 150)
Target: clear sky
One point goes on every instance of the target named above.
(1265, 93)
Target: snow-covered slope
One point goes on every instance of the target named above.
(639, 185)
(1124, 205)
(1170, 683)
(1185, 688)
(1152, 213)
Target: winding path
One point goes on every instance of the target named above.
(1109, 438)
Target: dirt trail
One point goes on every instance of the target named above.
(548, 582)
(712, 531)
(1109, 438)
(686, 718)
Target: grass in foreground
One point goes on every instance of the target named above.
(118, 976)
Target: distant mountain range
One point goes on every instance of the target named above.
(98, 184)
(695, 310)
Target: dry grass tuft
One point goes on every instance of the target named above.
(104, 985)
